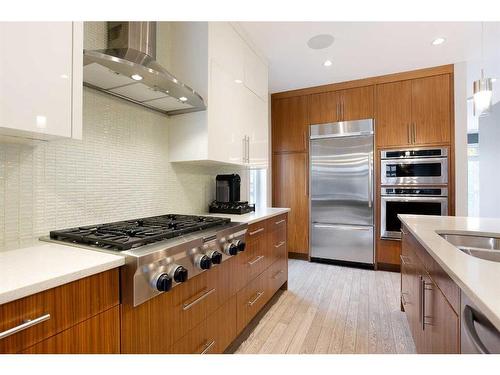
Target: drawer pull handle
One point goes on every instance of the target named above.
(256, 231)
(279, 222)
(27, 324)
(404, 261)
(208, 347)
(280, 244)
(252, 302)
(258, 259)
(187, 306)
(277, 275)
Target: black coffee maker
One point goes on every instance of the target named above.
(227, 193)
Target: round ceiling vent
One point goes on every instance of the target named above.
(320, 41)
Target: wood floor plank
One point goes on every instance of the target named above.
(333, 309)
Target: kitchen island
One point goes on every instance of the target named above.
(434, 273)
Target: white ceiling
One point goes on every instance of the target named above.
(364, 49)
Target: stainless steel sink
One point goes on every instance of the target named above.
(483, 247)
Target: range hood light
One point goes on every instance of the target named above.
(136, 77)
(183, 99)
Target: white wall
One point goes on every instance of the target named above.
(489, 158)
(460, 83)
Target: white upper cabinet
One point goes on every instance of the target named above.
(255, 70)
(41, 79)
(234, 129)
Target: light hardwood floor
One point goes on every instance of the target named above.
(333, 309)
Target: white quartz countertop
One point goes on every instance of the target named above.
(479, 279)
(253, 217)
(46, 265)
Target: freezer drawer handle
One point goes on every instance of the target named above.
(342, 227)
(469, 318)
(27, 324)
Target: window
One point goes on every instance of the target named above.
(258, 187)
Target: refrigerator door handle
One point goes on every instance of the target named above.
(370, 181)
(342, 226)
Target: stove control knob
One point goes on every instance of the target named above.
(179, 274)
(202, 261)
(163, 282)
(230, 248)
(240, 245)
(215, 256)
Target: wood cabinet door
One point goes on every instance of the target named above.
(357, 103)
(325, 107)
(441, 326)
(431, 108)
(291, 189)
(290, 124)
(393, 114)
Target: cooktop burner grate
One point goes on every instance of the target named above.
(125, 235)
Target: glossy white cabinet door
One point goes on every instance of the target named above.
(256, 73)
(36, 79)
(227, 48)
(257, 130)
(225, 116)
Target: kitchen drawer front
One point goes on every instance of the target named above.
(444, 282)
(277, 222)
(253, 261)
(277, 275)
(250, 300)
(211, 336)
(277, 245)
(97, 335)
(57, 309)
(257, 230)
(192, 302)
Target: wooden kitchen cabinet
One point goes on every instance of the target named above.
(431, 109)
(414, 112)
(325, 107)
(357, 103)
(393, 114)
(41, 84)
(291, 189)
(290, 124)
(343, 105)
(433, 322)
(64, 307)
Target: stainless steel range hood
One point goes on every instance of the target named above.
(128, 69)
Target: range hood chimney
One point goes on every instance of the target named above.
(128, 69)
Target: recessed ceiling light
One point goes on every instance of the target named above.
(493, 80)
(238, 81)
(438, 41)
(320, 41)
(136, 77)
(327, 63)
(183, 99)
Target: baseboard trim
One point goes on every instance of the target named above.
(300, 256)
(388, 267)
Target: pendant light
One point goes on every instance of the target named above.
(483, 87)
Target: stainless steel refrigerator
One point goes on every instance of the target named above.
(341, 199)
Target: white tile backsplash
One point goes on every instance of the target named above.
(119, 170)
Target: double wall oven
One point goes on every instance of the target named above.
(413, 181)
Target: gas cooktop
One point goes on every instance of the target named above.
(128, 234)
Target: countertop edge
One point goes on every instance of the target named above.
(490, 314)
(50, 283)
